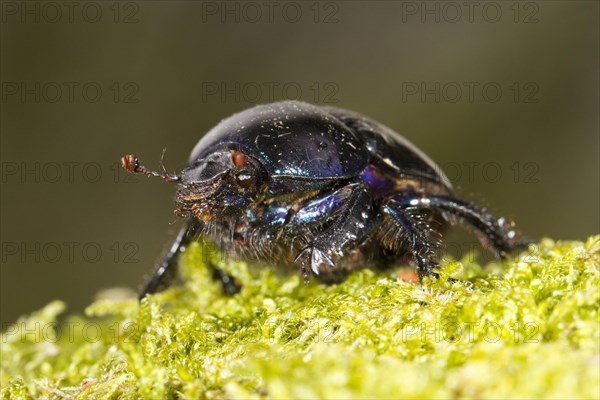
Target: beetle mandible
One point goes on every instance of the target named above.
(321, 188)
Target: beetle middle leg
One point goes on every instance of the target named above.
(351, 226)
(421, 237)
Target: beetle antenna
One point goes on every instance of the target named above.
(162, 162)
(132, 164)
(164, 171)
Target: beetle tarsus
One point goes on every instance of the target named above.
(230, 284)
(305, 275)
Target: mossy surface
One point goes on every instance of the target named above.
(526, 328)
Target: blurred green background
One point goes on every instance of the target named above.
(503, 95)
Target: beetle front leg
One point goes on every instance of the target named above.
(166, 272)
(350, 227)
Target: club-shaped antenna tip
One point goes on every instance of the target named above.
(130, 163)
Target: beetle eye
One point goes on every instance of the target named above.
(245, 180)
(238, 159)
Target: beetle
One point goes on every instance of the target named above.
(323, 189)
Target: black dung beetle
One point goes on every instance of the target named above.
(322, 188)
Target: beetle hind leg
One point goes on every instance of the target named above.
(406, 227)
(497, 233)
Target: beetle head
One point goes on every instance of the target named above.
(221, 185)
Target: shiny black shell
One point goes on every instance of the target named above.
(297, 140)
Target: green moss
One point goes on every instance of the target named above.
(528, 328)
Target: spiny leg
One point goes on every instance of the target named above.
(351, 226)
(495, 231)
(422, 239)
(315, 212)
(166, 272)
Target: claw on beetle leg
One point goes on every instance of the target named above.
(318, 258)
(300, 259)
(305, 275)
(315, 258)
